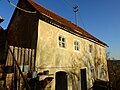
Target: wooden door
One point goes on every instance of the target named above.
(83, 79)
(61, 81)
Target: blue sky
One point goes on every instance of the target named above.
(101, 18)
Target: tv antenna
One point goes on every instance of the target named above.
(76, 10)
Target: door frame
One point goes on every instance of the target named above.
(63, 83)
(83, 84)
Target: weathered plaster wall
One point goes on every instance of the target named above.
(49, 56)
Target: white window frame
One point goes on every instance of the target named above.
(61, 43)
(76, 46)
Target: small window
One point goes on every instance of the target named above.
(100, 51)
(92, 72)
(76, 46)
(90, 48)
(62, 41)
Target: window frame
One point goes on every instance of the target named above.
(76, 46)
(63, 42)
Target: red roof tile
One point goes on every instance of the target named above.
(63, 21)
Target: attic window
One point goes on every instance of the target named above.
(62, 41)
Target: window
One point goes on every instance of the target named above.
(62, 41)
(76, 46)
(90, 48)
(100, 51)
(92, 72)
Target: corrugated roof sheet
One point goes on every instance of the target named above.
(63, 21)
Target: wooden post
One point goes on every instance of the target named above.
(11, 63)
(22, 59)
(15, 78)
(33, 62)
(19, 55)
(30, 64)
(19, 63)
(9, 57)
(26, 56)
(16, 52)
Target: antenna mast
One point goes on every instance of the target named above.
(76, 10)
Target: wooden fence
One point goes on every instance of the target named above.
(23, 56)
(25, 60)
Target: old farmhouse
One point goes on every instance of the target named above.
(53, 49)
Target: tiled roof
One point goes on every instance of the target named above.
(63, 21)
